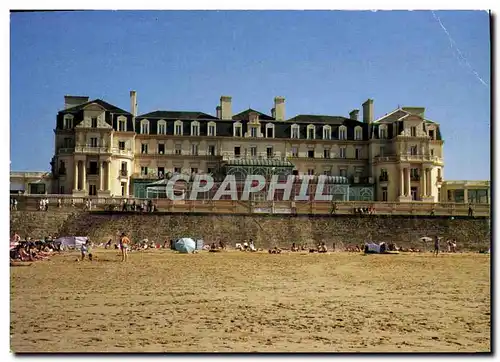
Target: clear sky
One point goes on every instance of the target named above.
(322, 62)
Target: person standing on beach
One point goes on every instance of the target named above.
(124, 245)
(436, 245)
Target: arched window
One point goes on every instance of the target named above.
(162, 127)
(311, 132)
(178, 129)
(212, 129)
(144, 126)
(342, 133)
(270, 130)
(295, 131)
(195, 128)
(358, 133)
(327, 132)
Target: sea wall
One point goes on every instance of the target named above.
(265, 230)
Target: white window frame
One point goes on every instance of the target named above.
(343, 152)
(122, 124)
(68, 121)
(253, 147)
(309, 128)
(342, 133)
(237, 125)
(212, 126)
(144, 126)
(327, 151)
(358, 133)
(297, 128)
(195, 128)
(162, 127)
(268, 126)
(194, 149)
(178, 126)
(327, 132)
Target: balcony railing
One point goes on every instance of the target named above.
(62, 172)
(31, 202)
(383, 178)
(92, 149)
(415, 177)
(123, 173)
(408, 158)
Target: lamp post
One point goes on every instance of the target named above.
(272, 173)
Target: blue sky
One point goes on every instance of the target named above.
(322, 62)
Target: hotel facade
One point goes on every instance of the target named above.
(102, 150)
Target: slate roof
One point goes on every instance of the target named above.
(181, 115)
(107, 106)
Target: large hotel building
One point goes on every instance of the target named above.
(103, 150)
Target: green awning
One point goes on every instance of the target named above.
(260, 162)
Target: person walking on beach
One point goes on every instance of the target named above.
(124, 245)
(436, 245)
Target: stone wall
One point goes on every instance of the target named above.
(266, 231)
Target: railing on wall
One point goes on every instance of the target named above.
(32, 202)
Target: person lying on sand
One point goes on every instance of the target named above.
(294, 248)
(275, 250)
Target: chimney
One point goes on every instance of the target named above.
(133, 103)
(218, 112)
(273, 112)
(368, 111)
(279, 108)
(73, 101)
(354, 114)
(225, 104)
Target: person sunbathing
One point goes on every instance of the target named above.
(322, 248)
(275, 250)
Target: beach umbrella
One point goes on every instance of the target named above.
(185, 245)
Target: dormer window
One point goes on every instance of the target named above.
(270, 130)
(144, 126)
(358, 133)
(413, 131)
(237, 129)
(327, 133)
(342, 133)
(122, 125)
(68, 122)
(211, 129)
(162, 127)
(195, 128)
(431, 134)
(253, 131)
(311, 132)
(382, 131)
(295, 131)
(93, 122)
(178, 128)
